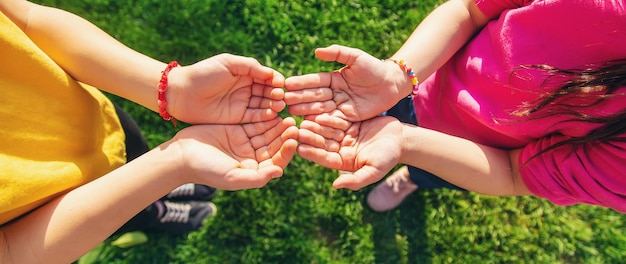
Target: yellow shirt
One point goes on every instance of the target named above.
(55, 133)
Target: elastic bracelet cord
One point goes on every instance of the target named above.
(162, 88)
(414, 81)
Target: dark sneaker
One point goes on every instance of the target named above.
(182, 217)
(191, 192)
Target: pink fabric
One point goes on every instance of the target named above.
(473, 95)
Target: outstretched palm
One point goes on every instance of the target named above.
(368, 149)
(363, 89)
(226, 89)
(235, 157)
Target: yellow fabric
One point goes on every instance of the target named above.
(55, 133)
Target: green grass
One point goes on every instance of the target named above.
(299, 218)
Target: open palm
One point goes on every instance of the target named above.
(225, 89)
(363, 89)
(233, 157)
(366, 151)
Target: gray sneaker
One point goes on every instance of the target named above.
(191, 192)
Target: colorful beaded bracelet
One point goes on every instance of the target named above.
(414, 81)
(162, 88)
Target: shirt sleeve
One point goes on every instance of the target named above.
(592, 173)
(493, 8)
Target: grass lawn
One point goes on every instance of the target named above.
(299, 218)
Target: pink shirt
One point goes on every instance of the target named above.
(473, 95)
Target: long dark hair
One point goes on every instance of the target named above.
(592, 85)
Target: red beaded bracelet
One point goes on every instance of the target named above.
(414, 81)
(162, 88)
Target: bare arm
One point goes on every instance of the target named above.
(441, 34)
(370, 149)
(70, 225)
(470, 165)
(350, 91)
(87, 53)
(240, 88)
(233, 157)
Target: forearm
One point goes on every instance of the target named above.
(469, 165)
(70, 225)
(441, 34)
(87, 53)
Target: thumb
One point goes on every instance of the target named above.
(342, 54)
(248, 66)
(354, 181)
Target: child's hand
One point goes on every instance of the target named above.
(232, 157)
(364, 88)
(368, 149)
(225, 89)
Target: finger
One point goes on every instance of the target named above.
(318, 135)
(246, 66)
(309, 137)
(312, 80)
(286, 153)
(314, 108)
(262, 102)
(263, 133)
(273, 144)
(362, 177)
(258, 128)
(275, 106)
(315, 140)
(342, 54)
(266, 91)
(334, 113)
(322, 157)
(258, 115)
(247, 178)
(273, 98)
(328, 133)
(271, 171)
(261, 109)
(333, 121)
(313, 94)
(277, 81)
(288, 146)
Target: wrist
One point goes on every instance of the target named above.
(409, 149)
(407, 81)
(164, 98)
(170, 155)
(157, 170)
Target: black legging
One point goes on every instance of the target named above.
(136, 145)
